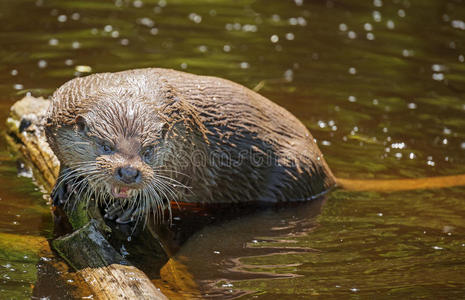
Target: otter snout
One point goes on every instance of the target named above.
(128, 175)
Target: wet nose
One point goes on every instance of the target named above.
(128, 174)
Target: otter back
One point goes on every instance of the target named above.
(166, 135)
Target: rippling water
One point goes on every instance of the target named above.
(381, 85)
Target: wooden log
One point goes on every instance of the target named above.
(105, 272)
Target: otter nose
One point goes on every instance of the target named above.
(128, 174)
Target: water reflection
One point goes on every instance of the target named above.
(265, 244)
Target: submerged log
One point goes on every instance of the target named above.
(105, 272)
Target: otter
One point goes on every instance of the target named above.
(141, 139)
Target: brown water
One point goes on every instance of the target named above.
(381, 85)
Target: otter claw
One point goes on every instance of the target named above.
(126, 217)
(122, 215)
(59, 193)
(113, 211)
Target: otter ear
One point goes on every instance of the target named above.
(81, 124)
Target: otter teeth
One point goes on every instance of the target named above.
(121, 192)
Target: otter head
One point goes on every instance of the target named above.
(120, 135)
(121, 150)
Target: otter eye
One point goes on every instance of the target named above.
(147, 154)
(105, 149)
(81, 124)
(164, 130)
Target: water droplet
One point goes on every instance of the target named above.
(401, 13)
(124, 42)
(368, 27)
(352, 71)
(407, 53)
(289, 36)
(437, 248)
(83, 69)
(146, 22)
(299, 2)
(400, 145)
(321, 124)
(274, 38)
(226, 48)
(138, 3)
(76, 45)
(203, 48)
(62, 18)
(462, 145)
(326, 143)
(162, 3)
(14, 72)
(438, 68)
(244, 65)
(18, 86)
(216, 252)
(352, 99)
(390, 24)
(115, 34)
(301, 21)
(447, 131)
(42, 64)
(438, 76)
(377, 3)
(343, 27)
(411, 155)
(69, 62)
(53, 42)
(108, 28)
(354, 290)
(370, 36)
(75, 16)
(249, 28)
(195, 18)
(458, 24)
(412, 105)
(352, 35)
(375, 101)
(154, 31)
(376, 16)
(289, 75)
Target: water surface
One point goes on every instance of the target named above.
(380, 84)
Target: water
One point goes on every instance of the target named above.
(380, 84)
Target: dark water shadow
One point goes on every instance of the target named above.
(217, 254)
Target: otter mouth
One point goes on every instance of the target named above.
(121, 192)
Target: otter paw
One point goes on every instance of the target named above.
(121, 214)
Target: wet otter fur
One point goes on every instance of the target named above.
(142, 138)
(137, 140)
